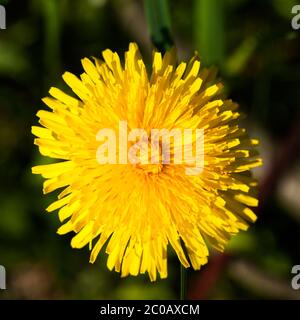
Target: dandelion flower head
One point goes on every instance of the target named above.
(138, 212)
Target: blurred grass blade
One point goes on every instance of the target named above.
(237, 62)
(209, 30)
(159, 23)
(52, 20)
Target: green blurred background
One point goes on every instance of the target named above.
(257, 53)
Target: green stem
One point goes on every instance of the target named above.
(159, 23)
(182, 282)
(209, 30)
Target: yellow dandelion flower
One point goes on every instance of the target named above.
(138, 209)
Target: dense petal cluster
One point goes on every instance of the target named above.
(139, 211)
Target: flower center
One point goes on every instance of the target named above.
(150, 168)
